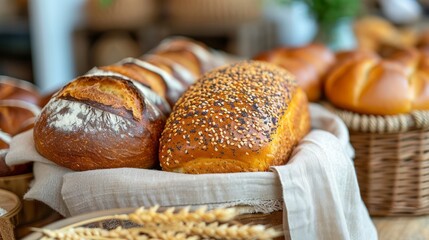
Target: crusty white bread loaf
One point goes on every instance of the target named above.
(99, 121)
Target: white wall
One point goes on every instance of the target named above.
(52, 23)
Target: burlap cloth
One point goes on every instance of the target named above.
(317, 190)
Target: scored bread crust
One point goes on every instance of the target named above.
(99, 122)
(245, 117)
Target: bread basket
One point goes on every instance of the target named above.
(9, 218)
(391, 161)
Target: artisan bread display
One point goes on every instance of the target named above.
(114, 115)
(243, 117)
(309, 65)
(366, 83)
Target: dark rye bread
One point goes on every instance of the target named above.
(244, 117)
(101, 121)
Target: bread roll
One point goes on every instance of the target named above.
(366, 83)
(16, 116)
(309, 64)
(244, 117)
(12, 88)
(100, 121)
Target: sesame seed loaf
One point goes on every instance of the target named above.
(244, 117)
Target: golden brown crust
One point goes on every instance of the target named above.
(99, 122)
(184, 58)
(308, 64)
(107, 91)
(193, 55)
(182, 74)
(148, 78)
(365, 83)
(226, 121)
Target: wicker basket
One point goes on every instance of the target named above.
(32, 210)
(392, 161)
(11, 203)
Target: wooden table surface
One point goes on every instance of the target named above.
(399, 228)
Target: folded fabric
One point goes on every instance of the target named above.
(317, 190)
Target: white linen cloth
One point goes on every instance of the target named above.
(317, 189)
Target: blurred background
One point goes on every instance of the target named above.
(49, 42)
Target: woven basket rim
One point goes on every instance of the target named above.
(370, 123)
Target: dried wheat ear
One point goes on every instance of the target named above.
(169, 224)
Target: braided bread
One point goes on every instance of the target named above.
(364, 82)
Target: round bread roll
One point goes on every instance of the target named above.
(99, 121)
(363, 82)
(244, 117)
(12, 88)
(309, 64)
(17, 116)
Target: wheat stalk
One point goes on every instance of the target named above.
(170, 224)
(152, 216)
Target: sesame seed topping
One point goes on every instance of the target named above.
(228, 111)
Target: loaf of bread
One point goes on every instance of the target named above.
(12, 88)
(372, 32)
(366, 83)
(16, 116)
(194, 56)
(244, 117)
(179, 72)
(309, 64)
(6, 170)
(101, 120)
(160, 81)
